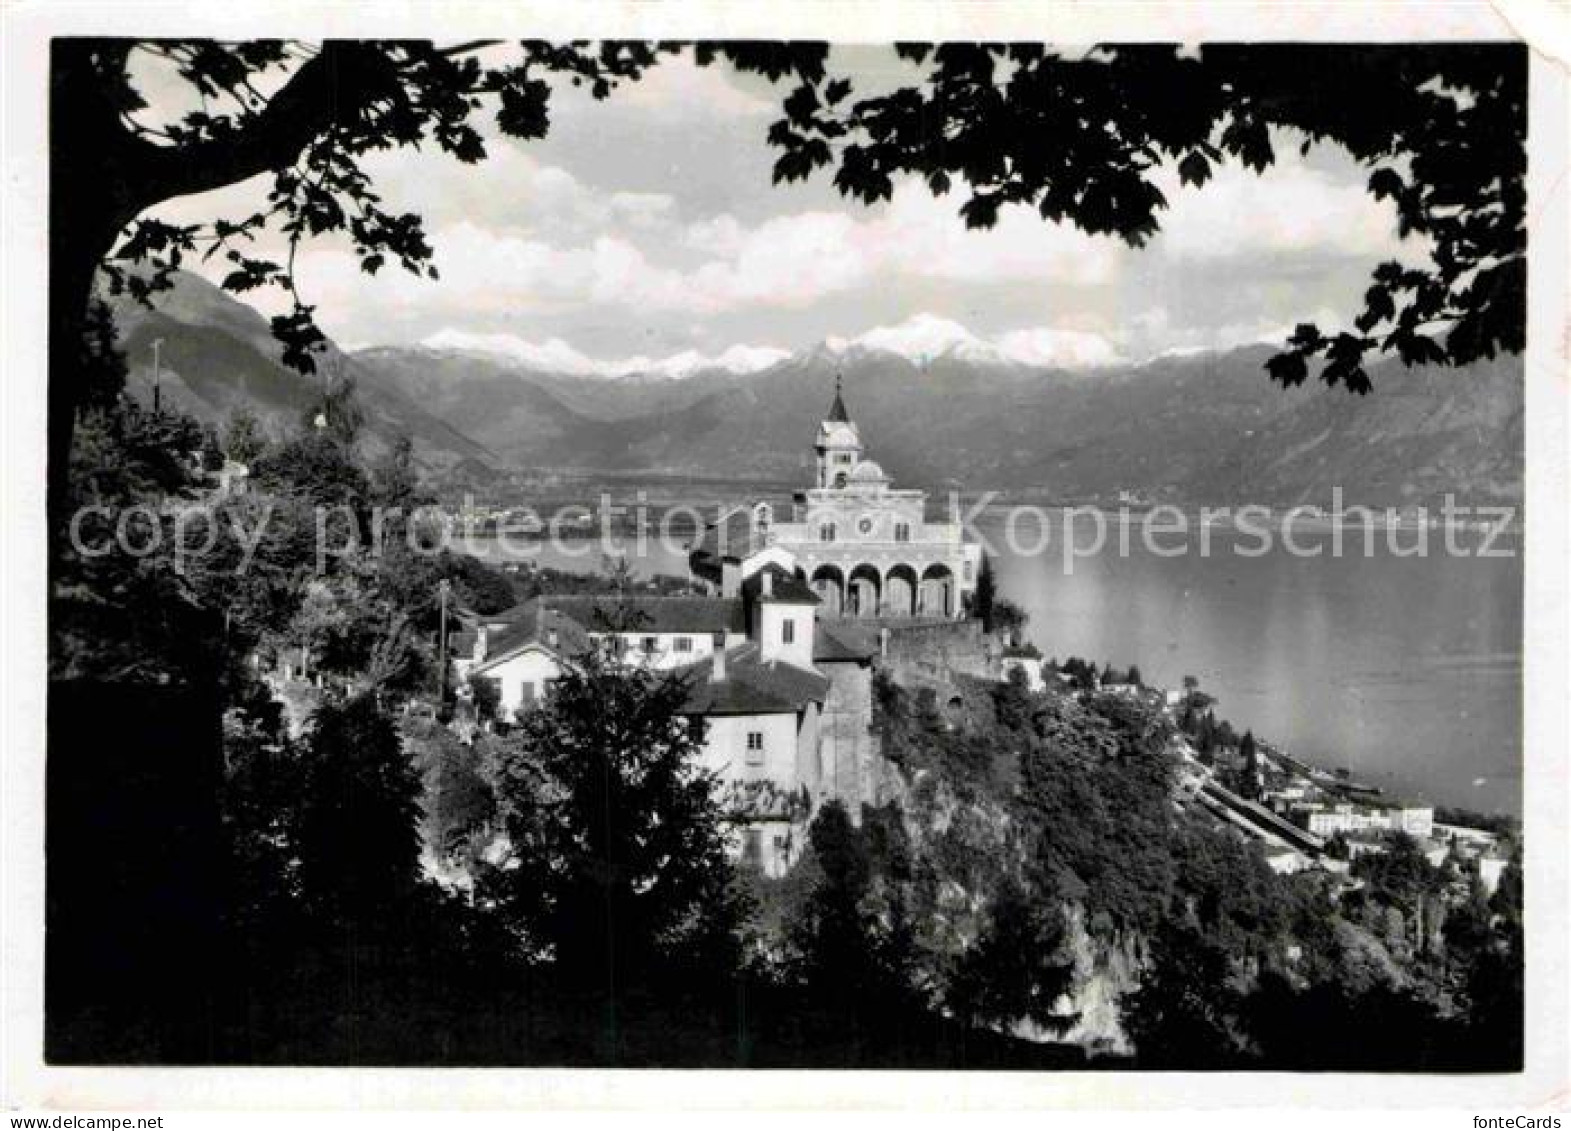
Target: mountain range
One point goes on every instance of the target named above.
(936, 405)
(217, 356)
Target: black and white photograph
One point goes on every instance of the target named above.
(900, 549)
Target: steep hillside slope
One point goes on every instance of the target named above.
(217, 356)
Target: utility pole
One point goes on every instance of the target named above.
(157, 391)
(442, 588)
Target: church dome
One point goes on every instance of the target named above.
(868, 472)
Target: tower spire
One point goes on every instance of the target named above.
(837, 411)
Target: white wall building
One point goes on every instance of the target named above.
(866, 548)
(760, 674)
(1346, 817)
(779, 673)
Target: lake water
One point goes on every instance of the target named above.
(1405, 669)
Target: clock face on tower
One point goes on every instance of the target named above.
(865, 526)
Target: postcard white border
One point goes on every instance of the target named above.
(1543, 1085)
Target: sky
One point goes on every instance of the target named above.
(646, 226)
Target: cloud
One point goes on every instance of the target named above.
(680, 86)
(925, 236)
(485, 279)
(637, 240)
(785, 261)
(802, 258)
(790, 261)
(1154, 332)
(720, 235)
(513, 192)
(1290, 209)
(1059, 349)
(643, 209)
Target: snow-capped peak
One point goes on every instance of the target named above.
(925, 337)
(735, 359)
(921, 338)
(555, 355)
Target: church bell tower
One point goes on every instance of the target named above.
(838, 448)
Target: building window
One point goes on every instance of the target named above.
(902, 532)
(970, 571)
(649, 644)
(826, 532)
(788, 632)
(840, 479)
(753, 847)
(528, 692)
(755, 748)
(682, 644)
(843, 457)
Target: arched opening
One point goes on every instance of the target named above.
(900, 591)
(935, 598)
(828, 585)
(864, 589)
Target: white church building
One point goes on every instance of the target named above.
(779, 653)
(866, 548)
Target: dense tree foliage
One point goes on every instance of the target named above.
(616, 869)
(1084, 844)
(1186, 1012)
(851, 961)
(1013, 972)
(359, 840)
(458, 799)
(985, 595)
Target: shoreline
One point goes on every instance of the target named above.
(631, 515)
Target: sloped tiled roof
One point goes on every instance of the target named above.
(575, 616)
(837, 411)
(751, 685)
(785, 588)
(615, 613)
(532, 623)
